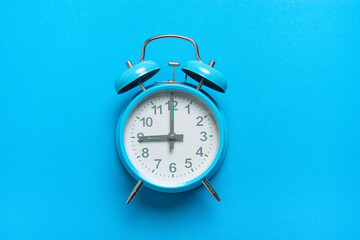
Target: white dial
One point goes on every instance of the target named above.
(171, 137)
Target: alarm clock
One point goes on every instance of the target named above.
(171, 136)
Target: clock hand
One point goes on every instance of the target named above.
(154, 138)
(172, 132)
(161, 138)
(177, 137)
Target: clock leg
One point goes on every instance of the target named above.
(135, 191)
(210, 189)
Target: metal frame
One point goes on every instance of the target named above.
(169, 36)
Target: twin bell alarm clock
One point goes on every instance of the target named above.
(172, 136)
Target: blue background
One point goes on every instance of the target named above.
(292, 168)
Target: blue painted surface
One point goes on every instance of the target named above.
(212, 77)
(211, 170)
(139, 72)
(292, 166)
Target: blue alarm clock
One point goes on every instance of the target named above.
(172, 136)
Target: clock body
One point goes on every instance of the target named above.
(196, 118)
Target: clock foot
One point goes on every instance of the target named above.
(210, 189)
(135, 191)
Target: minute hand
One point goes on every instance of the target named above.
(172, 132)
(172, 113)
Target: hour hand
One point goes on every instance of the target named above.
(154, 138)
(161, 138)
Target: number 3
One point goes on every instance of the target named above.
(204, 137)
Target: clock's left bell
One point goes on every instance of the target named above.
(136, 75)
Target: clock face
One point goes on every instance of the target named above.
(171, 137)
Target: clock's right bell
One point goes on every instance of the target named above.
(206, 74)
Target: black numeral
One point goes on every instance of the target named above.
(188, 163)
(200, 121)
(157, 107)
(169, 105)
(140, 135)
(199, 152)
(145, 152)
(148, 122)
(188, 108)
(172, 167)
(204, 137)
(157, 160)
